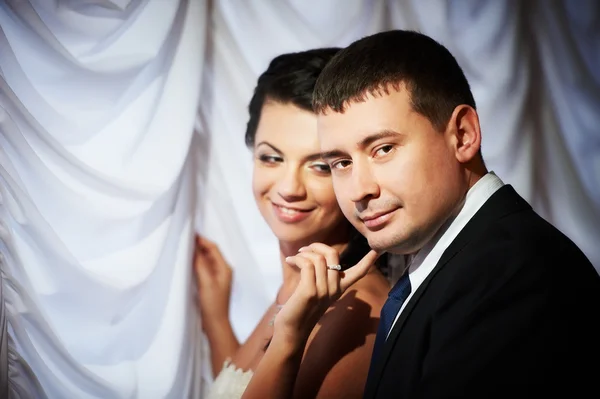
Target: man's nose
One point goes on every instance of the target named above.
(363, 183)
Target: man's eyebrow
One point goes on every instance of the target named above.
(382, 134)
(365, 142)
(327, 155)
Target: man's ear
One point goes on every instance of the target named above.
(465, 132)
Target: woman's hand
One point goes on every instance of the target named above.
(319, 287)
(214, 277)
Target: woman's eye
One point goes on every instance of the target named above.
(270, 158)
(321, 167)
(386, 149)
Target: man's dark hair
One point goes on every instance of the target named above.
(434, 80)
(289, 79)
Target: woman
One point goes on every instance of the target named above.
(293, 190)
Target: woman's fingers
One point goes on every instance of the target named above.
(350, 275)
(211, 250)
(321, 272)
(208, 258)
(307, 274)
(331, 257)
(321, 281)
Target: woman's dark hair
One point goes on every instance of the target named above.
(289, 79)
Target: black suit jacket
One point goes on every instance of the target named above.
(511, 310)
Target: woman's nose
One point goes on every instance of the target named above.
(291, 186)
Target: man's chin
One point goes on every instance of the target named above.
(379, 245)
(395, 245)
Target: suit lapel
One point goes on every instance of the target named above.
(501, 203)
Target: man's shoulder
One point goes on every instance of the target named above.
(526, 235)
(521, 248)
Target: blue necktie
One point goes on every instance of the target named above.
(389, 311)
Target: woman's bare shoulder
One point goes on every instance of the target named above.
(373, 288)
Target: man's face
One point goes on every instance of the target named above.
(396, 178)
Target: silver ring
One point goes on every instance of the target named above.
(334, 267)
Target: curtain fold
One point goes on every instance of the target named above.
(97, 108)
(122, 133)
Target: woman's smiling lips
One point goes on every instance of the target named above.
(289, 214)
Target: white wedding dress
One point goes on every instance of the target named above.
(230, 383)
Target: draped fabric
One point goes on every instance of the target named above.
(121, 133)
(3, 346)
(97, 108)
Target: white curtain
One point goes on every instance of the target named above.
(103, 182)
(97, 107)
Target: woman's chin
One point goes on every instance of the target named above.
(293, 237)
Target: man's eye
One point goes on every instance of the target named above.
(341, 164)
(386, 149)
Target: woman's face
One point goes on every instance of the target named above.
(292, 185)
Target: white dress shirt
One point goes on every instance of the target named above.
(428, 257)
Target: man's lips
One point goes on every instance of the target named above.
(377, 219)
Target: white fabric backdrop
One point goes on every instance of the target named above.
(102, 181)
(97, 106)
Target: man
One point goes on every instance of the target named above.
(496, 302)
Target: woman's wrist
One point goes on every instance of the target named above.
(221, 338)
(289, 343)
(216, 325)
